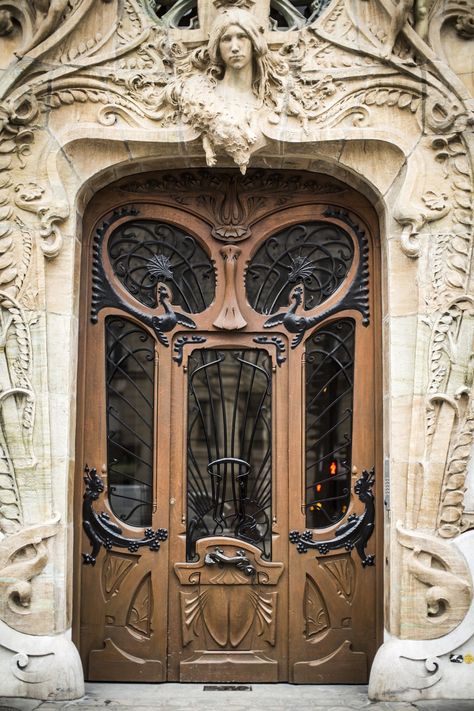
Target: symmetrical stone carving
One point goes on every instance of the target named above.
(365, 71)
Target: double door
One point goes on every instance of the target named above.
(227, 437)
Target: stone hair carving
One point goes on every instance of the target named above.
(223, 87)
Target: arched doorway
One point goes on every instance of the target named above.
(229, 432)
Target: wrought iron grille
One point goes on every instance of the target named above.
(229, 447)
(130, 358)
(317, 255)
(144, 253)
(284, 14)
(294, 14)
(329, 377)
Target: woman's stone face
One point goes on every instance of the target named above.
(235, 47)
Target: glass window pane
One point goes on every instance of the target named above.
(130, 359)
(229, 447)
(329, 373)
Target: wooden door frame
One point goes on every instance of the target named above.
(109, 199)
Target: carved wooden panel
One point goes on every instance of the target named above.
(229, 612)
(242, 603)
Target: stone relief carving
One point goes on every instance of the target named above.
(445, 582)
(344, 71)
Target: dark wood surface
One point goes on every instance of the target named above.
(152, 616)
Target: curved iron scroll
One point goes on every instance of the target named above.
(102, 532)
(239, 561)
(356, 298)
(104, 294)
(354, 533)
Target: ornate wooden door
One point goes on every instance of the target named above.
(227, 434)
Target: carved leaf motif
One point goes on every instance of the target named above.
(266, 607)
(315, 611)
(342, 570)
(141, 608)
(192, 605)
(115, 568)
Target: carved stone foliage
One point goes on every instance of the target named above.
(23, 556)
(442, 575)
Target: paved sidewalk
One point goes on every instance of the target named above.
(198, 697)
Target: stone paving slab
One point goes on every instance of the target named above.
(261, 697)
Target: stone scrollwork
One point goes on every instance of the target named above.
(443, 590)
(23, 556)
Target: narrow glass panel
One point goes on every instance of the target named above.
(130, 357)
(229, 447)
(317, 255)
(329, 374)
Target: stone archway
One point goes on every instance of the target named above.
(59, 140)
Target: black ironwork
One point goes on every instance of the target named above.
(130, 386)
(284, 14)
(317, 255)
(171, 318)
(105, 295)
(295, 14)
(101, 531)
(358, 295)
(277, 342)
(356, 298)
(181, 341)
(229, 447)
(354, 533)
(329, 385)
(239, 561)
(177, 13)
(145, 253)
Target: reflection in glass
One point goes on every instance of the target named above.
(329, 375)
(229, 447)
(130, 357)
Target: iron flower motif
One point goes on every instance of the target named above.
(301, 269)
(159, 267)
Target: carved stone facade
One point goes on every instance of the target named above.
(376, 94)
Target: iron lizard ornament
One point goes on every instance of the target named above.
(102, 532)
(354, 533)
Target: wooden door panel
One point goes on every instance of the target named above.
(229, 613)
(229, 598)
(129, 641)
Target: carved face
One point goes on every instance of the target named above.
(235, 47)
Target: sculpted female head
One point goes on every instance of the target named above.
(230, 20)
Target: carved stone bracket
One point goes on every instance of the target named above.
(103, 532)
(354, 533)
(441, 589)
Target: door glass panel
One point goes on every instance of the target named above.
(130, 361)
(316, 255)
(229, 469)
(329, 374)
(145, 252)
